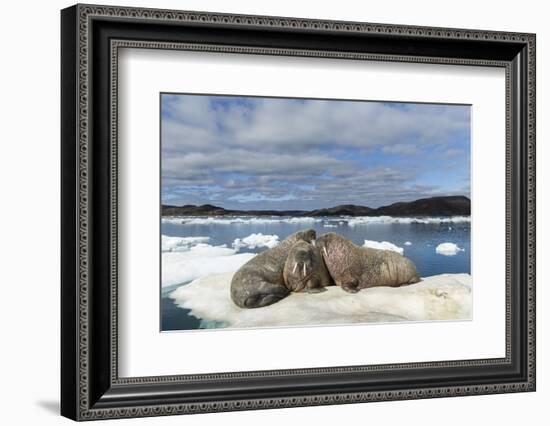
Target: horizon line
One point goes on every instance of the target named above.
(319, 208)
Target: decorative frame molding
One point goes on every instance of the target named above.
(91, 37)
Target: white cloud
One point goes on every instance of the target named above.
(298, 124)
(406, 149)
(321, 152)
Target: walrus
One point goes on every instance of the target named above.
(305, 269)
(260, 282)
(354, 268)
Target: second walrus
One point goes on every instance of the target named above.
(354, 268)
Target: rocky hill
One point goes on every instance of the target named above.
(434, 206)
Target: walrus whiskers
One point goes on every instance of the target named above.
(304, 269)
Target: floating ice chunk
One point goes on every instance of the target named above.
(351, 221)
(440, 297)
(448, 249)
(181, 243)
(366, 220)
(383, 245)
(199, 261)
(171, 219)
(298, 220)
(408, 243)
(243, 220)
(330, 225)
(256, 240)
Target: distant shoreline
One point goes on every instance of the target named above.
(434, 206)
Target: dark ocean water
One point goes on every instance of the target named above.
(423, 239)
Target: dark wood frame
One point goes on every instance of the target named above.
(91, 37)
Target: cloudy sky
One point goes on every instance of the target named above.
(278, 153)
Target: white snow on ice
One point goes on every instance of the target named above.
(440, 297)
(181, 243)
(351, 221)
(185, 259)
(256, 240)
(408, 243)
(231, 220)
(448, 249)
(383, 245)
(200, 261)
(171, 219)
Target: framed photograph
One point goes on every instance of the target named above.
(263, 212)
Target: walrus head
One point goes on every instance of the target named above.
(299, 266)
(342, 261)
(307, 235)
(325, 241)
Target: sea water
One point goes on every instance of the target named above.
(197, 246)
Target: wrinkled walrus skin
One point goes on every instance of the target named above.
(354, 268)
(305, 269)
(260, 282)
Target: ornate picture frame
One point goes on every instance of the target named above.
(91, 37)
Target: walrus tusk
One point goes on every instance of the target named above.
(313, 243)
(325, 251)
(304, 269)
(295, 266)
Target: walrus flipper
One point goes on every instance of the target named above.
(315, 290)
(350, 287)
(266, 295)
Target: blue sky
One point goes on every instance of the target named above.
(280, 153)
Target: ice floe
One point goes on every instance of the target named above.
(366, 220)
(408, 243)
(199, 261)
(187, 258)
(181, 243)
(448, 249)
(242, 220)
(383, 245)
(342, 220)
(256, 240)
(439, 297)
